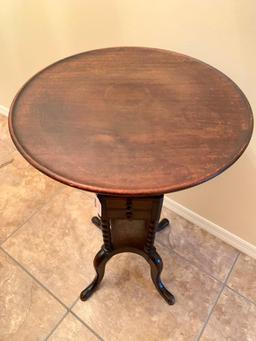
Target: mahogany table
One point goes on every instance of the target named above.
(130, 124)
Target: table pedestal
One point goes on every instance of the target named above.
(129, 225)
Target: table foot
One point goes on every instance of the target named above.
(96, 221)
(161, 225)
(99, 263)
(156, 265)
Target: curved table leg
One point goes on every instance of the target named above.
(152, 258)
(156, 265)
(99, 263)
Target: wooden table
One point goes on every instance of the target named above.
(130, 124)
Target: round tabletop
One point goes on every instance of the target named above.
(131, 121)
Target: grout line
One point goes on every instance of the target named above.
(231, 269)
(56, 326)
(191, 262)
(34, 278)
(249, 300)
(73, 304)
(218, 231)
(68, 309)
(210, 313)
(217, 299)
(86, 325)
(6, 163)
(37, 210)
(197, 266)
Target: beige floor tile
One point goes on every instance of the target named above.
(243, 277)
(5, 137)
(23, 190)
(27, 311)
(6, 157)
(72, 329)
(58, 244)
(203, 249)
(6, 145)
(233, 319)
(128, 307)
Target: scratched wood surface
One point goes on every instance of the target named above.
(131, 121)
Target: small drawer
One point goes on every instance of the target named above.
(137, 203)
(122, 214)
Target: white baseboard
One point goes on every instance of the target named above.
(214, 229)
(198, 220)
(3, 110)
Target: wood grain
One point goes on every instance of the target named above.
(131, 121)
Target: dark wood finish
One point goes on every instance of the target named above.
(131, 121)
(160, 226)
(129, 225)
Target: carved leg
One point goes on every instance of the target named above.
(156, 265)
(99, 263)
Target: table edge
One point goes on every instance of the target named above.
(127, 192)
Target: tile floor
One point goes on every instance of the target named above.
(47, 245)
